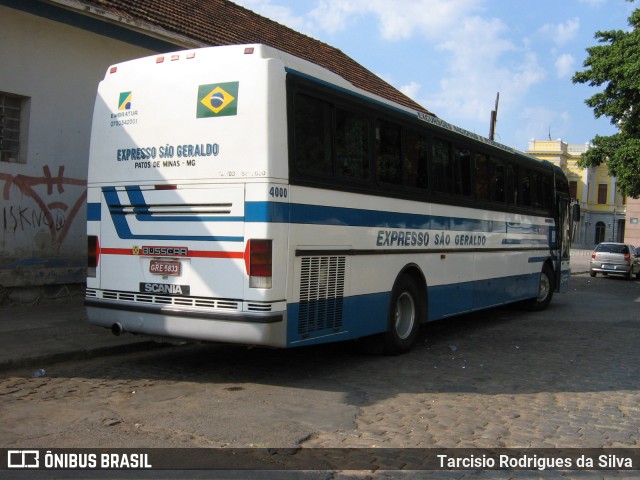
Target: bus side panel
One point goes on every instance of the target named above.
(454, 299)
(460, 277)
(489, 289)
(315, 322)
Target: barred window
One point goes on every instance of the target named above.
(12, 128)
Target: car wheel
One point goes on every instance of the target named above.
(593, 274)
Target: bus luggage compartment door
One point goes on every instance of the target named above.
(189, 241)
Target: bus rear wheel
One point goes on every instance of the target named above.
(406, 311)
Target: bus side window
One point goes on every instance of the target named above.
(415, 160)
(461, 171)
(441, 166)
(496, 180)
(352, 144)
(312, 136)
(481, 177)
(388, 161)
(526, 187)
(511, 185)
(546, 188)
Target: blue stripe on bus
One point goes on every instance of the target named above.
(365, 315)
(94, 213)
(354, 217)
(141, 210)
(362, 315)
(271, 212)
(124, 232)
(148, 217)
(524, 241)
(279, 212)
(541, 259)
(136, 198)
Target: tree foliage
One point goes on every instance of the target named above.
(615, 64)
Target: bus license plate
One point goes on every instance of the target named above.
(164, 267)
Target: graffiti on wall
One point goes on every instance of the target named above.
(47, 209)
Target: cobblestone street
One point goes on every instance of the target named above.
(566, 377)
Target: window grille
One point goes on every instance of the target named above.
(10, 116)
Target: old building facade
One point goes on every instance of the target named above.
(603, 209)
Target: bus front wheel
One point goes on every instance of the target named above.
(546, 287)
(406, 310)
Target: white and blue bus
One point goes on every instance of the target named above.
(240, 194)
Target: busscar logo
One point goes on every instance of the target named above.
(161, 251)
(217, 100)
(23, 459)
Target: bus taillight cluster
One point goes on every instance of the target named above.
(93, 255)
(259, 262)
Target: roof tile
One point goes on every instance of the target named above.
(221, 22)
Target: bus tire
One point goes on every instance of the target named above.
(406, 312)
(545, 290)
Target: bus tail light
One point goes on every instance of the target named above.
(93, 255)
(259, 263)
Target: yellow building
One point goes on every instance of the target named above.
(603, 208)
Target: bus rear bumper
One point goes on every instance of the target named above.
(180, 323)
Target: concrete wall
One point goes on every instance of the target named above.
(57, 68)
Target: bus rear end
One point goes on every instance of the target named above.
(187, 238)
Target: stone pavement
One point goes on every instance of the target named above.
(37, 335)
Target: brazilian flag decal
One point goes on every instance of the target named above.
(124, 102)
(217, 100)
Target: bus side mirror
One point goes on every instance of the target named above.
(575, 213)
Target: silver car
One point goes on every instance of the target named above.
(615, 258)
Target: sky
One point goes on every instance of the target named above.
(454, 56)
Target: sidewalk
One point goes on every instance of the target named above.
(37, 336)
